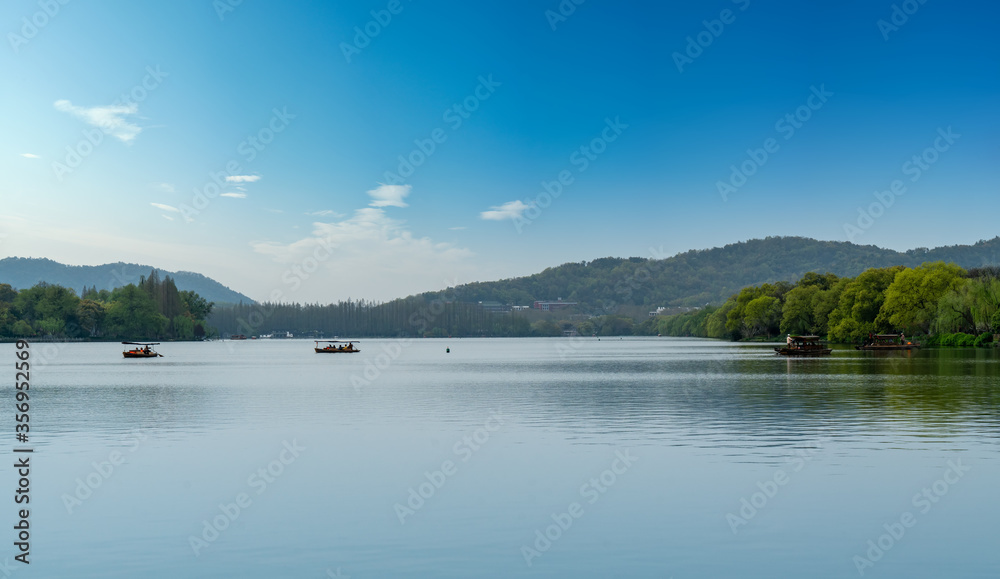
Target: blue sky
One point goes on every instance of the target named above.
(117, 114)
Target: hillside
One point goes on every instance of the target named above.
(707, 276)
(23, 273)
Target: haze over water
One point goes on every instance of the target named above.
(528, 425)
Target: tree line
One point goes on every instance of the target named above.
(940, 300)
(153, 309)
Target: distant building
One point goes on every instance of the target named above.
(495, 307)
(520, 308)
(549, 306)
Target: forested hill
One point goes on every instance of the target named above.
(23, 273)
(708, 276)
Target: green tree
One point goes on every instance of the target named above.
(22, 329)
(911, 301)
(824, 302)
(799, 313)
(90, 315)
(545, 328)
(7, 294)
(133, 315)
(860, 303)
(763, 316)
(183, 327)
(197, 306)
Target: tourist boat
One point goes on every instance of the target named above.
(804, 346)
(882, 342)
(141, 350)
(331, 347)
(237, 337)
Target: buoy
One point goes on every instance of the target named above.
(447, 350)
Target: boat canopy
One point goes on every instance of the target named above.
(142, 343)
(338, 341)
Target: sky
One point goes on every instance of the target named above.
(318, 151)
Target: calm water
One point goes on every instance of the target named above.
(828, 454)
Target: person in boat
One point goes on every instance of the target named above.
(788, 340)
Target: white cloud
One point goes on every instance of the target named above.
(234, 195)
(111, 119)
(323, 213)
(167, 217)
(165, 187)
(366, 254)
(242, 178)
(166, 207)
(389, 196)
(509, 210)
(30, 156)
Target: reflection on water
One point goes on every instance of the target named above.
(857, 434)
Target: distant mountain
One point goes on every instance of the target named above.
(707, 276)
(22, 272)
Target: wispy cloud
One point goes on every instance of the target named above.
(111, 119)
(369, 237)
(389, 196)
(242, 178)
(323, 213)
(457, 228)
(369, 252)
(165, 187)
(167, 217)
(30, 156)
(509, 210)
(166, 207)
(234, 195)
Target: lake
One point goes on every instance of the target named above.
(634, 457)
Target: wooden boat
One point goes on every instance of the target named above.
(883, 342)
(141, 350)
(237, 337)
(804, 346)
(345, 347)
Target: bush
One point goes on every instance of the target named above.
(984, 340)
